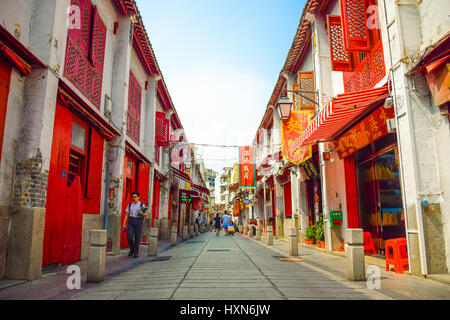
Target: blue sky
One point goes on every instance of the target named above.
(220, 61)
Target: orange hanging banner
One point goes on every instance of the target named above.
(290, 132)
(247, 167)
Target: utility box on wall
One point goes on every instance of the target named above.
(336, 218)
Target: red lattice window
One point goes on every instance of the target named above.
(162, 129)
(134, 109)
(340, 59)
(85, 52)
(368, 72)
(354, 25)
(97, 53)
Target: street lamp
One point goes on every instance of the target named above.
(284, 106)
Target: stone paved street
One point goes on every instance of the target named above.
(210, 267)
(234, 268)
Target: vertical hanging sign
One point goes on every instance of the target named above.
(298, 122)
(247, 167)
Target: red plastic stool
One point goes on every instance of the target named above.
(396, 254)
(368, 243)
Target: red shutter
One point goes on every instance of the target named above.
(143, 181)
(134, 109)
(306, 86)
(82, 35)
(98, 42)
(91, 203)
(340, 59)
(159, 126)
(85, 32)
(354, 25)
(166, 130)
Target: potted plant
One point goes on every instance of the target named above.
(310, 234)
(320, 233)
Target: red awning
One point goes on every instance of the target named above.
(339, 114)
(201, 189)
(180, 174)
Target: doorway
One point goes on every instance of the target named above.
(380, 198)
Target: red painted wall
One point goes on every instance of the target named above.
(5, 77)
(351, 192)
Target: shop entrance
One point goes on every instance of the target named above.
(129, 187)
(380, 198)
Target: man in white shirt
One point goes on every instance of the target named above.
(226, 221)
(135, 221)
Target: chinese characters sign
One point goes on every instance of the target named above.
(236, 208)
(247, 167)
(297, 123)
(364, 133)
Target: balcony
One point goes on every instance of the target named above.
(368, 72)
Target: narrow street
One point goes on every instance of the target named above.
(238, 268)
(314, 135)
(202, 269)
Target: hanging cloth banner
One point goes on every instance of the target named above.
(290, 132)
(247, 167)
(236, 209)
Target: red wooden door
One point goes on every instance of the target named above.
(73, 220)
(143, 181)
(287, 200)
(5, 76)
(128, 187)
(56, 206)
(155, 204)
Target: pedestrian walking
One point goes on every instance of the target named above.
(226, 221)
(136, 211)
(217, 222)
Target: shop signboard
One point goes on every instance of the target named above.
(364, 133)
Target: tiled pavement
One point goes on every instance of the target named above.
(210, 267)
(238, 268)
